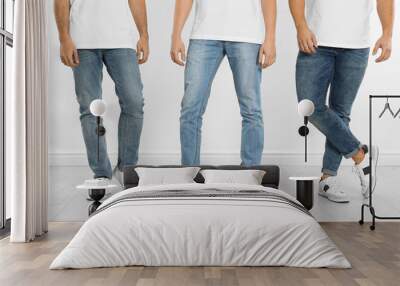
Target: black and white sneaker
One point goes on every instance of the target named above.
(330, 189)
(363, 171)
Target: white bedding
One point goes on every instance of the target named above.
(200, 232)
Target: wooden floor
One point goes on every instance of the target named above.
(375, 257)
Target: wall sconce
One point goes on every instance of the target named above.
(306, 108)
(98, 108)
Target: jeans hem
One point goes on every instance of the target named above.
(102, 176)
(351, 154)
(329, 172)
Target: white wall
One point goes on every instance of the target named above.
(221, 133)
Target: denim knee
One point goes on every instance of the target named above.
(191, 107)
(133, 107)
(319, 112)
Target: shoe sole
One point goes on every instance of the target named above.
(375, 154)
(329, 199)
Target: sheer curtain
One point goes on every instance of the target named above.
(27, 123)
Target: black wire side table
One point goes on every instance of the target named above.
(370, 205)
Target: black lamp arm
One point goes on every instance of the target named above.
(304, 131)
(100, 131)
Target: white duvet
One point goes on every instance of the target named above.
(200, 232)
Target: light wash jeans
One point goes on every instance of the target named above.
(122, 66)
(204, 59)
(341, 70)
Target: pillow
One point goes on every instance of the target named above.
(166, 176)
(247, 177)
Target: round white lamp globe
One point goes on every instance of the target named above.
(306, 108)
(98, 107)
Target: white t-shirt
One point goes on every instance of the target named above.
(340, 23)
(102, 24)
(229, 20)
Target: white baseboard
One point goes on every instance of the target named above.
(282, 159)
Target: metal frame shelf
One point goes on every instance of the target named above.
(370, 205)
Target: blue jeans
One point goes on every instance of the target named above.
(204, 59)
(122, 66)
(341, 71)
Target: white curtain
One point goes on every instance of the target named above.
(27, 123)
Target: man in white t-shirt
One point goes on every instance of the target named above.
(334, 42)
(244, 31)
(94, 33)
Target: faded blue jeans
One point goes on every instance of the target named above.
(342, 72)
(204, 59)
(123, 68)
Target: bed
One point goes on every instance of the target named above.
(201, 224)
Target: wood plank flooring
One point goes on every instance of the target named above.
(375, 257)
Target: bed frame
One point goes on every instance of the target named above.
(271, 178)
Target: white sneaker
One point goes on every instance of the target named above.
(118, 176)
(363, 171)
(97, 183)
(330, 189)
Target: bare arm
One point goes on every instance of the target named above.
(68, 52)
(182, 12)
(384, 43)
(305, 37)
(267, 55)
(61, 12)
(139, 13)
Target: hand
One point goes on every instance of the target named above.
(267, 55)
(142, 50)
(306, 40)
(69, 53)
(178, 51)
(385, 45)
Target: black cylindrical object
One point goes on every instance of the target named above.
(93, 207)
(305, 193)
(96, 195)
(304, 131)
